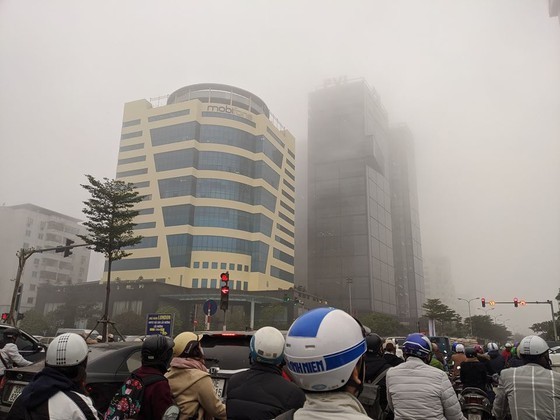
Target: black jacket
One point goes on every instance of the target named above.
(392, 359)
(261, 393)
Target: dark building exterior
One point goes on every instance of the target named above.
(351, 259)
(407, 248)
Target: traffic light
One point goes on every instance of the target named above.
(492, 303)
(68, 251)
(5, 316)
(225, 277)
(522, 302)
(483, 301)
(515, 302)
(224, 297)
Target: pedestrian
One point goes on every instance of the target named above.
(374, 395)
(57, 391)
(324, 356)
(261, 392)
(389, 353)
(190, 382)
(531, 391)
(157, 351)
(9, 352)
(416, 390)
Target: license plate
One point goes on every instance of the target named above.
(15, 392)
(218, 386)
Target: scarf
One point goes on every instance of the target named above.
(188, 363)
(44, 385)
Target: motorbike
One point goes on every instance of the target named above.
(475, 404)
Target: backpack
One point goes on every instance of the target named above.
(127, 401)
(370, 397)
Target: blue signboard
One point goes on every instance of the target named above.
(161, 324)
(210, 306)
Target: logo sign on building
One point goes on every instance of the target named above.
(161, 324)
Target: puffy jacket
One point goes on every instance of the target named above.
(530, 392)
(261, 393)
(194, 393)
(157, 396)
(457, 359)
(331, 405)
(416, 390)
(10, 355)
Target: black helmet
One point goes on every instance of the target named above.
(157, 351)
(374, 343)
(10, 333)
(470, 352)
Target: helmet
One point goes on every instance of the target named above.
(454, 346)
(460, 348)
(470, 352)
(478, 349)
(322, 348)
(374, 343)
(10, 333)
(532, 345)
(417, 345)
(267, 346)
(508, 345)
(187, 345)
(66, 350)
(157, 349)
(492, 347)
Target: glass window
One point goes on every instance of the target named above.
(205, 264)
(232, 266)
(274, 136)
(145, 211)
(174, 133)
(169, 115)
(246, 268)
(204, 284)
(130, 123)
(147, 225)
(228, 116)
(214, 265)
(30, 300)
(132, 173)
(282, 256)
(245, 285)
(281, 274)
(196, 264)
(213, 283)
(239, 267)
(238, 284)
(142, 184)
(195, 283)
(223, 266)
(146, 242)
(135, 264)
(131, 147)
(133, 159)
(131, 135)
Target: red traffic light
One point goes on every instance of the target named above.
(225, 290)
(483, 301)
(225, 277)
(5, 316)
(515, 302)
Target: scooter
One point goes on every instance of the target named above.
(475, 404)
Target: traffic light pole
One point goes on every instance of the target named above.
(23, 255)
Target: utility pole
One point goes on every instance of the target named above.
(470, 317)
(349, 281)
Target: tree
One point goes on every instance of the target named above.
(35, 323)
(130, 323)
(177, 320)
(110, 225)
(383, 324)
(448, 318)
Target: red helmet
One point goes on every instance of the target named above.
(478, 349)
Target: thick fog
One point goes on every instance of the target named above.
(478, 83)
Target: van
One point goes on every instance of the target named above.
(81, 331)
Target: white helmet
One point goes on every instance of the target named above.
(532, 345)
(508, 345)
(322, 348)
(460, 348)
(267, 346)
(66, 350)
(492, 347)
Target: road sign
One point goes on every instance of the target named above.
(159, 324)
(210, 306)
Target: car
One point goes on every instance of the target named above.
(226, 353)
(109, 364)
(29, 347)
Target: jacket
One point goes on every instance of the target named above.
(331, 405)
(10, 355)
(474, 374)
(45, 399)
(261, 393)
(392, 359)
(457, 359)
(194, 393)
(157, 396)
(416, 390)
(530, 392)
(497, 362)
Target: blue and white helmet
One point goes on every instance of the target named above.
(417, 345)
(322, 348)
(267, 346)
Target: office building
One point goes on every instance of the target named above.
(30, 226)
(351, 257)
(217, 173)
(439, 281)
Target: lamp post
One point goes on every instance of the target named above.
(349, 281)
(485, 310)
(496, 317)
(469, 303)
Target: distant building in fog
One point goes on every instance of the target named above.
(438, 280)
(217, 172)
(31, 226)
(351, 258)
(554, 8)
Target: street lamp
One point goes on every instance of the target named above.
(496, 317)
(485, 310)
(469, 303)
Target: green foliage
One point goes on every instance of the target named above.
(130, 323)
(177, 321)
(110, 217)
(448, 320)
(35, 323)
(65, 316)
(484, 327)
(545, 329)
(382, 324)
(274, 315)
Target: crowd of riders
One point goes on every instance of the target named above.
(327, 366)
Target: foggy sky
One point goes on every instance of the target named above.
(478, 82)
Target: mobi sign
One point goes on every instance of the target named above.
(230, 110)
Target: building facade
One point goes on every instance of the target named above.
(30, 226)
(439, 281)
(351, 256)
(407, 245)
(217, 173)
